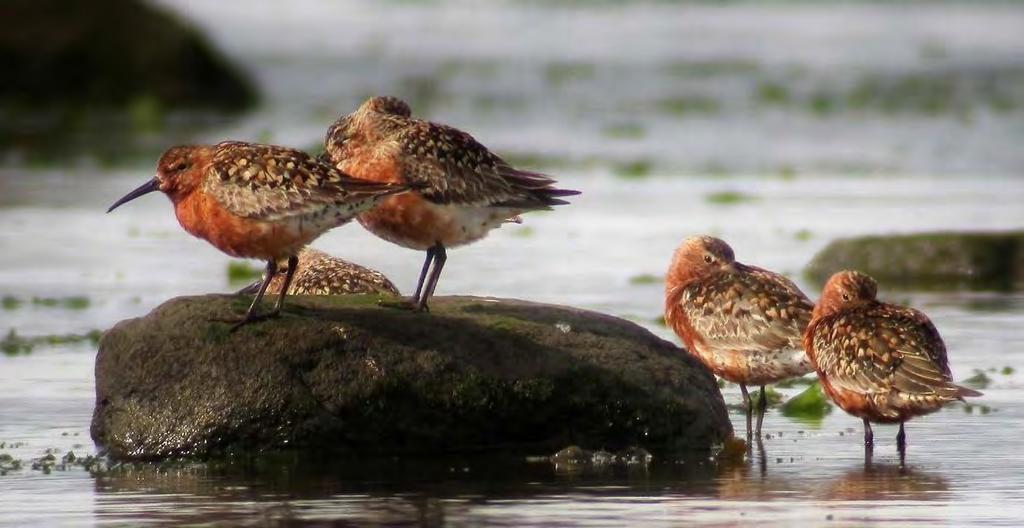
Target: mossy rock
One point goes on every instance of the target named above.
(342, 373)
(974, 260)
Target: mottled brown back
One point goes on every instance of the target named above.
(271, 183)
(751, 310)
(319, 273)
(879, 348)
(446, 164)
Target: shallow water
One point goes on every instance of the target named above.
(558, 93)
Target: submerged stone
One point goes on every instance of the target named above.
(341, 373)
(576, 456)
(984, 260)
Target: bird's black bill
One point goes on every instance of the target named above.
(145, 188)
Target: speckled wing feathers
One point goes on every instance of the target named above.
(455, 168)
(881, 348)
(321, 274)
(271, 183)
(753, 310)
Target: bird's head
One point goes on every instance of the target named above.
(365, 123)
(386, 104)
(178, 172)
(845, 289)
(698, 256)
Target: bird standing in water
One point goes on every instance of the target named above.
(466, 189)
(881, 362)
(258, 201)
(744, 323)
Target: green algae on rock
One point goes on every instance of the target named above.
(342, 373)
(810, 406)
(940, 260)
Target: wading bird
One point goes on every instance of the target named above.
(466, 190)
(744, 323)
(258, 201)
(881, 362)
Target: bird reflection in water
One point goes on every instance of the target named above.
(886, 482)
(747, 478)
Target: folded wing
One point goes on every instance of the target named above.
(752, 310)
(454, 168)
(274, 183)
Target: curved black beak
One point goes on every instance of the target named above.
(145, 188)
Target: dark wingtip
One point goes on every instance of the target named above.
(964, 392)
(562, 192)
(552, 196)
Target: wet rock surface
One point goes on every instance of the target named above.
(343, 373)
(982, 260)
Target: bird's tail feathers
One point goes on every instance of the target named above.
(963, 392)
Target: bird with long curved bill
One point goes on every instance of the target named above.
(259, 201)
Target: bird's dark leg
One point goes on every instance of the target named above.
(440, 256)
(901, 443)
(748, 407)
(267, 277)
(762, 457)
(762, 406)
(869, 435)
(423, 273)
(293, 262)
(414, 303)
(250, 314)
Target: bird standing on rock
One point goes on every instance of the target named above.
(881, 362)
(466, 189)
(744, 323)
(259, 201)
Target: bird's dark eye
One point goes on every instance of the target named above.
(846, 297)
(180, 166)
(708, 259)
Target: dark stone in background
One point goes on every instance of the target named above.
(93, 68)
(936, 261)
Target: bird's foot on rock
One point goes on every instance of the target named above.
(239, 322)
(405, 303)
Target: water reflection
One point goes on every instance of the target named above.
(752, 480)
(290, 487)
(382, 490)
(298, 488)
(877, 482)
